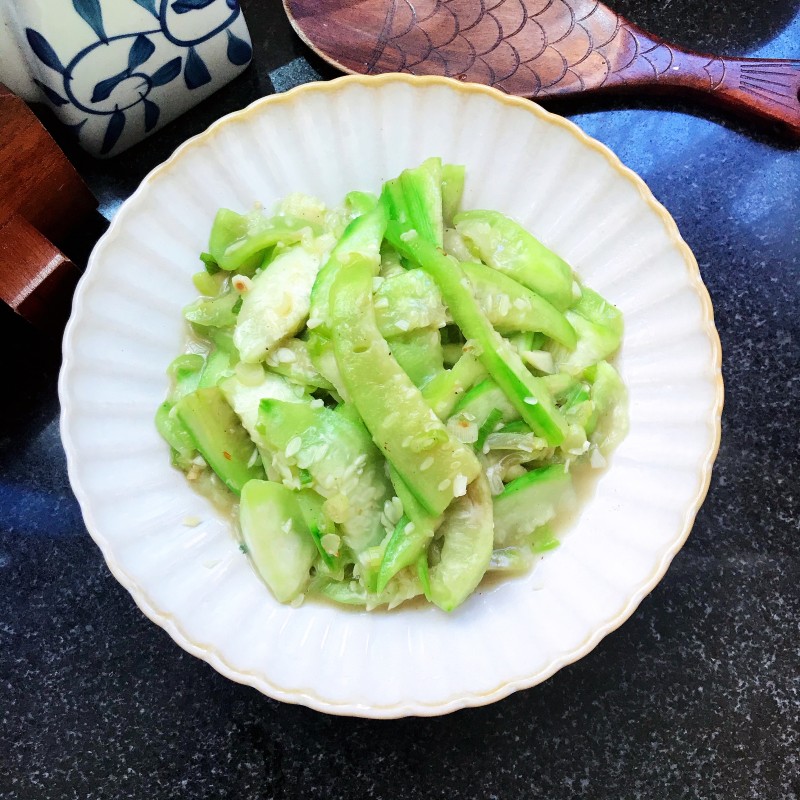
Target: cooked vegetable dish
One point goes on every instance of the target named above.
(394, 395)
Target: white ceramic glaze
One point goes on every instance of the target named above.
(114, 71)
(326, 139)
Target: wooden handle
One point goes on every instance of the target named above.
(767, 89)
(36, 279)
(756, 87)
(42, 199)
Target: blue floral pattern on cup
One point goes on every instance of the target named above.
(124, 96)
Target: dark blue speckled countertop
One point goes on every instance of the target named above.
(696, 696)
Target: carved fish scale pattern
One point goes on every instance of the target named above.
(538, 48)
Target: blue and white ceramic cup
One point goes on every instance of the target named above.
(114, 71)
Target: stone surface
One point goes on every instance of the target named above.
(696, 696)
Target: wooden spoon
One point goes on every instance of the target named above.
(538, 49)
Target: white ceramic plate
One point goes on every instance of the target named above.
(326, 139)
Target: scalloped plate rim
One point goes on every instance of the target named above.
(460, 700)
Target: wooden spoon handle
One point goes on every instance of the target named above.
(759, 87)
(768, 89)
